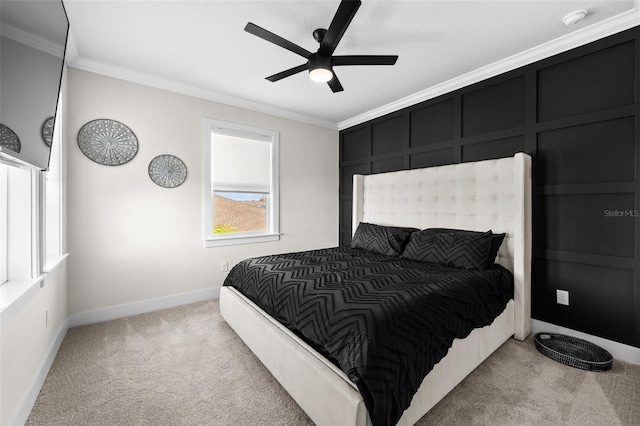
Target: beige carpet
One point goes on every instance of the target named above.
(185, 366)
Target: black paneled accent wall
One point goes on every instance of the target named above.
(576, 114)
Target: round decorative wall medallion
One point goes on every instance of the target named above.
(107, 142)
(47, 131)
(9, 139)
(167, 171)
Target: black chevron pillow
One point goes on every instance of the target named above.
(389, 240)
(452, 247)
(496, 242)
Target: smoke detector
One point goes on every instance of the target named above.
(575, 17)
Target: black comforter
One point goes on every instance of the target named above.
(385, 321)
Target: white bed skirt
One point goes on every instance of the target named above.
(322, 390)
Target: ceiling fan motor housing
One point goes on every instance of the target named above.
(320, 67)
(318, 60)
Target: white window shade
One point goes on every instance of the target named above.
(240, 164)
(240, 159)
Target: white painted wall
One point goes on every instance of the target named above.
(132, 241)
(29, 344)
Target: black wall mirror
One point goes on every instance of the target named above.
(32, 45)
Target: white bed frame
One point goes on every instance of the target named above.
(491, 194)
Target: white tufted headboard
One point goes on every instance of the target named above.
(491, 194)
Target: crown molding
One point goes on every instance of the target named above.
(605, 28)
(74, 60)
(71, 52)
(32, 40)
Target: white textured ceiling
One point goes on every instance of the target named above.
(200, 47)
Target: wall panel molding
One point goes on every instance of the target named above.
(572, 40)
(576, 114)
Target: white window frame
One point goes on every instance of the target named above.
(23, 223)
(4, 259)
(52, 248)
(272, 232)
(26, 261)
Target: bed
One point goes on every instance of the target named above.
(487, 195)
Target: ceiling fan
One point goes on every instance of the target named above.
(320, 64)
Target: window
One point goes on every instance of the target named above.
(3, 223)
(53, 215)
(241, 184)
(31, 219)
(19, 220)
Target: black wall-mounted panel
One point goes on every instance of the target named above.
(575, 113)
(387, 165)
(600, 298)
(493, 108)
(596, 152)
(490, 150)
(355, 144)
(601, 224)
(432, 124)
(593, 82)
(346, 214)
(387, 136)
(346, 181)
(345, 237)
(439, 157)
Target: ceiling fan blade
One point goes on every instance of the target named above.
(276, 39)
(365, 60)
(345, 13)
(334, 83)
(287, 73)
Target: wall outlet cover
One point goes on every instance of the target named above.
(562, 297)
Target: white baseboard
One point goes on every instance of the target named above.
(26, 405)
(617, 350)
(143, 307)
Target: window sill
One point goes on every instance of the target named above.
(240, 239)
(13, 293)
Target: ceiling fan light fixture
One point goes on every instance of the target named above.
(320, 68)
(320, 74)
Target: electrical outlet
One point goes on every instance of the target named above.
(562, 297)
(224, 266)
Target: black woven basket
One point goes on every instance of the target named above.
(574, 352)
